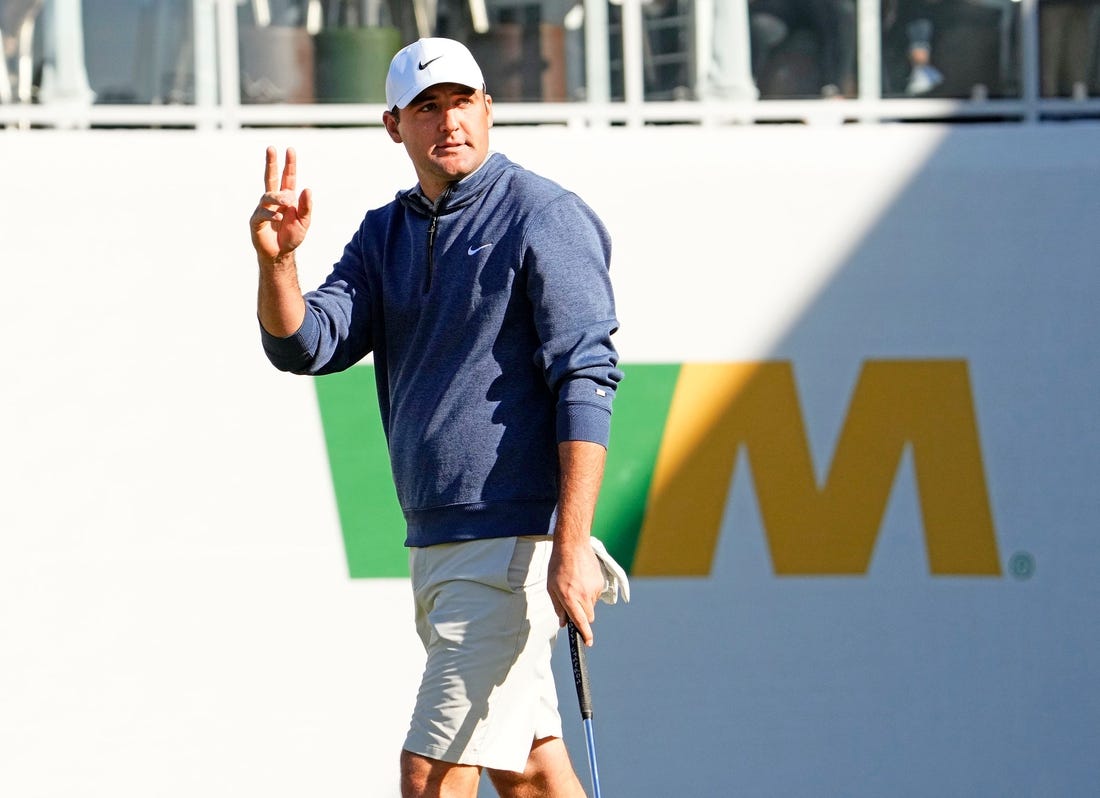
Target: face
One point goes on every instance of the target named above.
(445, 131)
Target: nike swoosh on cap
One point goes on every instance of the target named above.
(424, 65)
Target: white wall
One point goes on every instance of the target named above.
(175, 616)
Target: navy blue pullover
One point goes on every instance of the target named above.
(490, 318)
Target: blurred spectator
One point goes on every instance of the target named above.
(923, 76)
(908, 30)
(803, 47)
(943, 48)
(1065, 48)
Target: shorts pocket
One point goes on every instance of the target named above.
(530, 560)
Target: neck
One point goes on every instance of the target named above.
(433, 188)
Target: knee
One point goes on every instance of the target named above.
(548, 772)
(519, 785)
(422, 777)
(410, 779)
(416, 777)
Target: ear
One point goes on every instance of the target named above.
(391, 122)
(489, 108)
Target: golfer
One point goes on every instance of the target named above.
(483, 294)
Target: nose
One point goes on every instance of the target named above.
(449, 121)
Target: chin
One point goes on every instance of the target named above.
(457, 167)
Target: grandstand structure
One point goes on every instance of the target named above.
(226, 64)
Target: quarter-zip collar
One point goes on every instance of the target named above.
(455, 196)
(458, 194)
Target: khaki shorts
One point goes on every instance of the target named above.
(488, 626)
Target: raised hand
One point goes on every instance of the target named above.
(281, 220)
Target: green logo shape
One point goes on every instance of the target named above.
(370, 517)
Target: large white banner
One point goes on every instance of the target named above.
(866, 557)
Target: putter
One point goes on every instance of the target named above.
(584, 697)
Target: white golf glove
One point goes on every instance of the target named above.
(615, 581)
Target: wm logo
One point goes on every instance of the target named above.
(676, 437)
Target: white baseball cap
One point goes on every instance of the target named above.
(428, 62)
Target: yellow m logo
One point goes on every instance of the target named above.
(812, 530)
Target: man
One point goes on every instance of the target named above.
(483, 294)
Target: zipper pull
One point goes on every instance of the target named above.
(431, 252)
(436, 210)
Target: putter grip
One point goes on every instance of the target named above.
(580, 670)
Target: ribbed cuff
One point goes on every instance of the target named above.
(294, 352)
(584, 421)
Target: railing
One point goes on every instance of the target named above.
(217, 88)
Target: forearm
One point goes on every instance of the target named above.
(280, 306)
(581, 466)
(575, 579)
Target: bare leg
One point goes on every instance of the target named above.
(549, 774)
(422, 777)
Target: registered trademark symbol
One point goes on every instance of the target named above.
(1021, 565)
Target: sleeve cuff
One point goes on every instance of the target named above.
(583, 421)
(295, 352)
